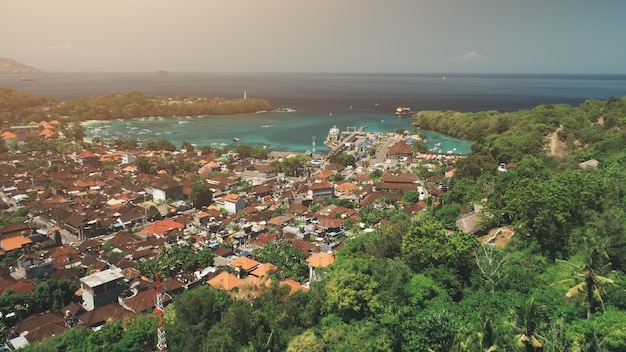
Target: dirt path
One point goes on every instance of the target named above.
(557, 148)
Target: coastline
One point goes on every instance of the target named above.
(89, 122)
(87, 138)
(301, 131)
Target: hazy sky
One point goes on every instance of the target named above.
(509, 36)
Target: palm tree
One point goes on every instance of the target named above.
(527, 317)
(589, 282)
(483, 340)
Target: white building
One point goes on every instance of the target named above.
(101, 288)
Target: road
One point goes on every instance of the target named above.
(381, 154)
(66, 236)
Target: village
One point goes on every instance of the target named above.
(93, 218)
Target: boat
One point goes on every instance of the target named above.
(284, 110)
(28, 79)
(333, 134)
(235, 139)
(403, 110)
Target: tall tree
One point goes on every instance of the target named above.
(200, 195)
(590, 284)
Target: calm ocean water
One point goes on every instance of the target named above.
(320, 100)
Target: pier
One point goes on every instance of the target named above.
(337, 144)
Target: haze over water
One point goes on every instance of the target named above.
(320, 101)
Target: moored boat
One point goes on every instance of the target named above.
(403, 110)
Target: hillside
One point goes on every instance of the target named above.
(10, 66)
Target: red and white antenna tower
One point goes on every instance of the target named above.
(161, 340)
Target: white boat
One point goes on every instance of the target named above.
(333, 133)
(235, 139)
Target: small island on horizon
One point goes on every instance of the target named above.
(12, 67)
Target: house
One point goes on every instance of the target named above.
(319, 260)
(293, 286)
(233, 203)
(17, 242)
(403, 182)
(65, 256)
(160, 228)
(19, 287)
(244, 263)
(31, 266)
(266, 171)
(99, 316)
(101, 288)
(321, 190)
(128, 159)
(470, 222)
(144, 300)
(37, 327)
(264, 270)
(399, 150)
(225, 281)
(8, 137)
(166, 188)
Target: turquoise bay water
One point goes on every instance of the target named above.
(284, 131)
(355, 99)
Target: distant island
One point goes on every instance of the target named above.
(12, 67)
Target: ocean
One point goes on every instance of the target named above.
(320, 101)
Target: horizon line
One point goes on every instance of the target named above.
(166, 72)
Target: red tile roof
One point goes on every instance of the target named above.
(21, 287)
(162, 227)
(224, 280)
(321, 260)
(263, 269)
(9, 244)
(244, 263)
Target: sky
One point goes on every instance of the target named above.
(416, 36)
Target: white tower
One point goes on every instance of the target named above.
(313, 148)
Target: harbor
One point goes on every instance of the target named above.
(337, 141)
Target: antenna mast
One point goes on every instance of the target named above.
(161, 340)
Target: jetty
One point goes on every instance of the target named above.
(339, 142)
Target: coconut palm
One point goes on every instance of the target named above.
(483, 340)
(590, 283)
(587, 280)
(527, 318)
